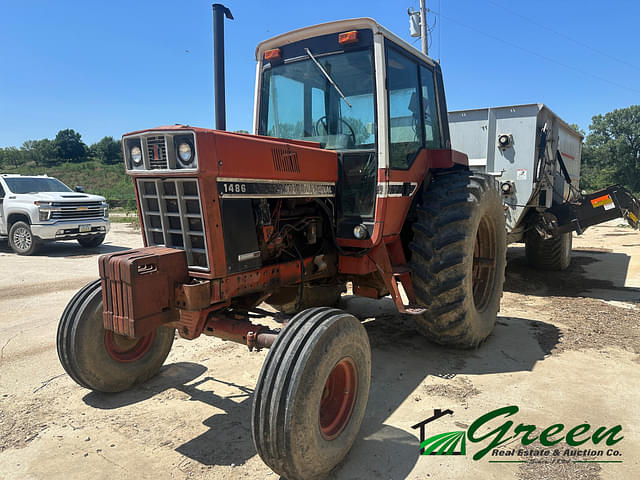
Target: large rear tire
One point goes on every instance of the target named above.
(458, 257)
(99, 359)
(548, 254)
(312, 392)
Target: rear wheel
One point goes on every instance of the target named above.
(458, 257)
(548, 254)
(92, 241)
(99, 359)
(21, 239)
(312, 392)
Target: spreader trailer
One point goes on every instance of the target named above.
(535, 155)
(348, 177)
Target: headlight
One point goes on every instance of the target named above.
(44, 215)
(136, 156)
(185, 153)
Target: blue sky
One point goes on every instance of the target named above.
(106, 68)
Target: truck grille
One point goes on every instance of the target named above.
(157, 149)
(76, 210)
(173, 217)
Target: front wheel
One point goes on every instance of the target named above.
(93, 241)
(458, 258)
(99, 359)
(312, 392)
(21, 239)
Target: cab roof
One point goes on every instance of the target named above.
(336, 27)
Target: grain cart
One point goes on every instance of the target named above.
(349, 177)
(536, 157)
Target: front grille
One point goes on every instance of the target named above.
(157, 149)
(76, 210)
(173, 217)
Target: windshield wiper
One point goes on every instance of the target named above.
(328, 77)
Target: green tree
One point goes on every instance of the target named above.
(611, 153)
(41, 152)
(11, 157)
(70, 146)
(107, 150)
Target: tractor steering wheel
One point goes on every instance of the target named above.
(323, 121)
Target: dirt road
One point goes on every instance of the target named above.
(566, 349)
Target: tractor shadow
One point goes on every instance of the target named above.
(402, 361)
(593, 273)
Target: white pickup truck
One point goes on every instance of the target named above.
(34, 209)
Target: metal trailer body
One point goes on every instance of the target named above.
(530, 177)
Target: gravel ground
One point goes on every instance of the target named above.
(565, 349)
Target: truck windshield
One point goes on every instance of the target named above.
(36, 185)
(299, 102)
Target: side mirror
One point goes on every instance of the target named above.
(79, 188)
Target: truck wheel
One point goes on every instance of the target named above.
(21, 240)
(312, 393)
(458, 257)
(99, 359)
(551, 254)
(313, 295)
(92, 241)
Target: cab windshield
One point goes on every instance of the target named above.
(35, 185)
(299, 102)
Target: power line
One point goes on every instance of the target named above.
(536, 54)
(563, 35)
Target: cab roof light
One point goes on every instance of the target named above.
(348, 37)
(273, 54)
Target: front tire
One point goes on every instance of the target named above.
(312, 392)
(458, 258)
(93, 241)
(21, 239)
(99, 359)
(548, 254)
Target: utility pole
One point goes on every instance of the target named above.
(423, 27)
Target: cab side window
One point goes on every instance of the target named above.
(1, 192)
(405, 125)
(432, 138)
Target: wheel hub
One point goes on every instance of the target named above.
(338, 398)
(124, 349)
(22, 238)
(485, 255)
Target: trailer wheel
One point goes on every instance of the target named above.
(458, 257)
(21, 239)
(99, 359)
(551, 254)
(312, 392)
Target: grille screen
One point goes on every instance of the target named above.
(157, 149)
(173, 217)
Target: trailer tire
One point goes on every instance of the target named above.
(548, 254)
(312, 393)
(458, 258)
(99, 359)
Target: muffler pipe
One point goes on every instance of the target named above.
(219, 12)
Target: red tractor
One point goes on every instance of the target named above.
(349, 178)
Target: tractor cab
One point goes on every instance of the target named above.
(354, 87)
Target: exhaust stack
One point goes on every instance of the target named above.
(219, 12)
